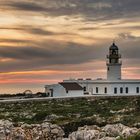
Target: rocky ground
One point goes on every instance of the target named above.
(71, 119)
(43, 131)
(108, 132)
(48, 131)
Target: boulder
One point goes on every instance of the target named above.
(113, 130)
(85, 133)
(5, 129)
(129, 132)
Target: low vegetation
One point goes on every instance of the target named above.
(136, 137)
(75, 112)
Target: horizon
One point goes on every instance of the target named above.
(47, 41)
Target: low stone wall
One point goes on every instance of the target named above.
(67, 98)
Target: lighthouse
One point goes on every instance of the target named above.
(114, 63)
(112, 86)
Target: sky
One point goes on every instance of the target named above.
(46, 41)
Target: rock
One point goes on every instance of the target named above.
(48, 131)
(125, 110)
(108, 138)
(119, 130)
(85, 133)
(18, 134)
(55, 131)
(102, 134)
(5, 129)
(6, 123)
(44, 131)
(26, 126)
(129, 132)
(137, 125)
(113, 130)
(51, 117)
(108, 132)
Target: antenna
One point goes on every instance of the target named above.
(113, 41)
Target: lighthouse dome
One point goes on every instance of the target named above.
(113, 47)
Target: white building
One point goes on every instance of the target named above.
(68, 89)
(113, 85)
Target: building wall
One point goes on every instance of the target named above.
(91, 88)
(75, 93)
(113, 71)
(58, 90)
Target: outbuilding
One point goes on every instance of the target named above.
(70, 89)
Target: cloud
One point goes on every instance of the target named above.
(88, 28)
(130, 49)
(2, 40)
(91, 10)
(25, 6)
(128, 36)
(38, 31)
(31, 29)
(49, 54)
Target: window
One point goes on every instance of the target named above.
(115, 90)
(121, 90)
(85, 89)
(105, 90)
(108, 68)
(97, 90)
(126, 90)
(137, 90)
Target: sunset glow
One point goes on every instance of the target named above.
(46, 41)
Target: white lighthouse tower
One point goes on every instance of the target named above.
(113, 63)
